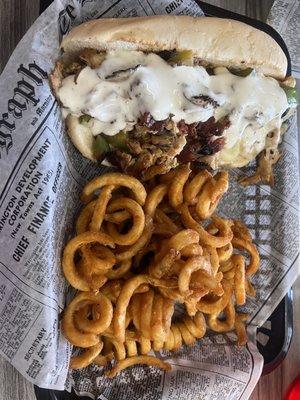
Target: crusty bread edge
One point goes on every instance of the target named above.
(216, 41)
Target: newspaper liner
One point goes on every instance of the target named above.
(41, 176)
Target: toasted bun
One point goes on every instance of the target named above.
(81, 137)
(215, 41)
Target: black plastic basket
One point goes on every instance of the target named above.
(278, 329)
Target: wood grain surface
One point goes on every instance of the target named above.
(16, 16)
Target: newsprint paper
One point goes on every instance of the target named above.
(41, 176)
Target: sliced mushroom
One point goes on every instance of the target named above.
(122, 74)
(203, 101)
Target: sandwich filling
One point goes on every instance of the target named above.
(146, 110)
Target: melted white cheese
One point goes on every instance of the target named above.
(254, 103)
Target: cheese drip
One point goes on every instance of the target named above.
(129, 83)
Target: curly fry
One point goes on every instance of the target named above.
(186, 331)
(226, 266)
(182, 239)
(177, 184)
(211, 194)
(102, 361)
(94, 281)
(120, 271)
(87, 357)
(115, 179)
(163, 219)
(239, 279)
(122, 303)
(84, 218)
(70, 331)
(218, 290)
(204, 279)
(226, 325)
(152, 315)
(250, 248)
(98, 260)
(192, 301)
(194, 187)
(122, 314)
(225, 252)
(138, 360)
(117, 217)
(140, 243)
(224, 235)
(168, 177)
(162, 230)
(146, 314)
(74, 244)
(171, 293)
(241, 231)
(250, 289)
(153, 171)
(157, 330)
(103, 320)
(229, 275)
(163, 266)
(192, 250)
(138, 223)
(216, 306)
(212, 253)
(112, 289)
(192, 265)
(154, 198)
(100, 207)
(240, 328)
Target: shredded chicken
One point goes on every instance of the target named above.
(153, 147)
(264, 172)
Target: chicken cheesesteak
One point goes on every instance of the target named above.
(146, 94)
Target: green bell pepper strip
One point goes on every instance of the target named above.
(84, 118)
(292, 95)
(101, 147)
(184, 57)
(241, 72)
(118, 141)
